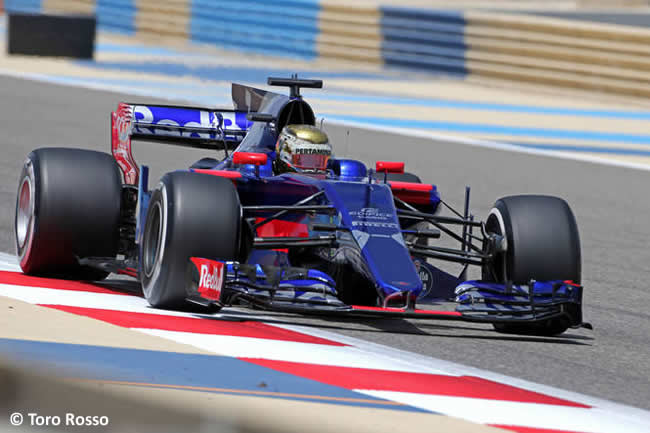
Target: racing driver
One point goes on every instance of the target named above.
(302, 148)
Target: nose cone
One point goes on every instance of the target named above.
(389, 261)
(369, 211)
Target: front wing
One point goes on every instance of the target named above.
(214, 285)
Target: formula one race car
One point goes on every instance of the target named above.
(264, 228)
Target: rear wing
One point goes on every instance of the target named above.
(184, 126)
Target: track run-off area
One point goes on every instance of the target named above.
(402, 372)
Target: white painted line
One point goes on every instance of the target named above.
(243, 347)
(9, 262)
(342, 122)
(279, 350)
(489, 144)
(8, 258)
(9, 268)
(77, 298)
(66, 81)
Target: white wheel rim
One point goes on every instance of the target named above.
(502, 229)
(152, 243)
(24, 211)
(153, 271)
(502, 226)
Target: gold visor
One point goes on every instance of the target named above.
(310, 162)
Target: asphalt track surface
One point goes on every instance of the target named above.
(610, 203)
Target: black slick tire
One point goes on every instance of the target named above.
(543, 244)
(189, 215)
(67, 207)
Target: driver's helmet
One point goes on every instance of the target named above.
(303, 148)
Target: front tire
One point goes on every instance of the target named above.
(67, 206)
(543, 244)
(189, 215)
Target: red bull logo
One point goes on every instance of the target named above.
(211, 277)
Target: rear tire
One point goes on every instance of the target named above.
(189, 215)
(68, 206)
(542, 244)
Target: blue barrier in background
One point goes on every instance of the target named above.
(425, 40)
(27, 6)
(418, 39)
(116, 15)
(436, 41)
(285, 27)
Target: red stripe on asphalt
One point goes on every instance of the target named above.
(520, 429)
(421, 383)
(213, 326)
(18, 279)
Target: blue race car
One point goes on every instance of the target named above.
(280, 224)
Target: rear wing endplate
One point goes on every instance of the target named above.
(183, 126)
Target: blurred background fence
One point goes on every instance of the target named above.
(511, 46)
